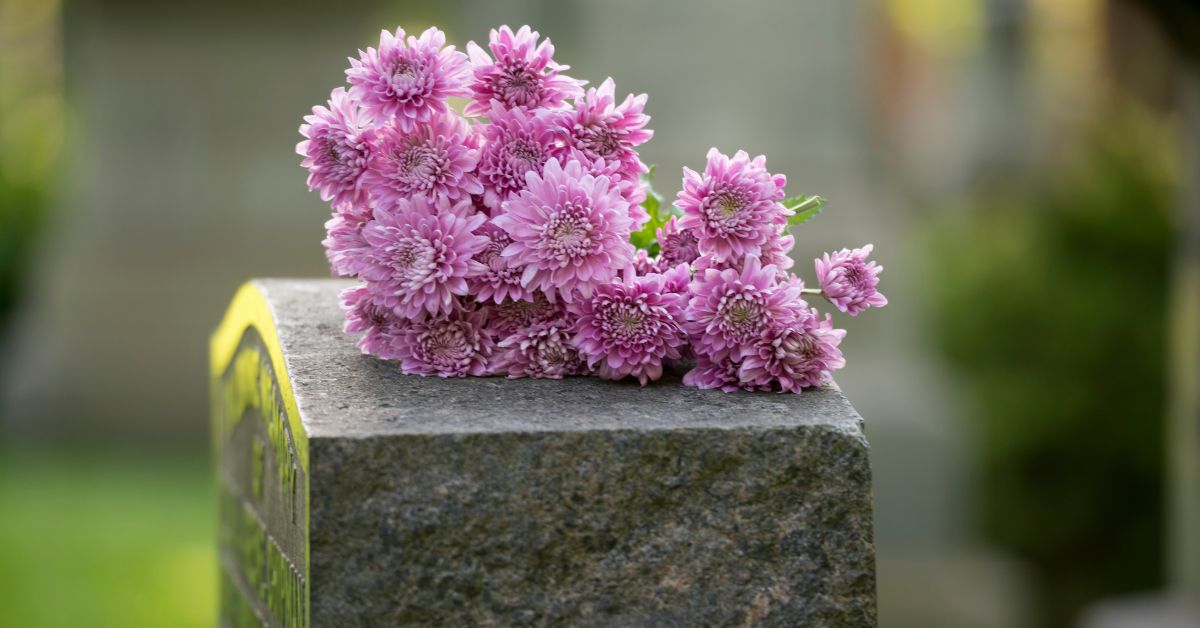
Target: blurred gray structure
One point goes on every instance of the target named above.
(184, 183)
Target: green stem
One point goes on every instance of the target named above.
(816, 291)
(812, 200)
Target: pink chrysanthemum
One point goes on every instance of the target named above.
(676, 246)
(793, 356)
(541, 351)
(848, 280)
(774, 252)
(518, 142)
(632, 189)
(499, 281)
(523, 74)
(378, 324)
(570, 230)
(630, 327)
(600, 130)
(454, 345)
(511, 316)
(720, 372)
(677, 278)
(729, 309)
(644, 264)
(345, 247)
(734, 206)
(634, 192)
(337, 149)
(435, 160)
(422, 255)
(410, 81)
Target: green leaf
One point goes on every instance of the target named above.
(646, 238)
(805, 207)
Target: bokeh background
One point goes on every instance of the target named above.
(1026, 168)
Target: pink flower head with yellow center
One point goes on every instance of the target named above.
(517, 142)
(436, 160)
(729, 308)
(789, 357)
(523, 73)
(848, 280)
(598, 129)
(630, 327)
(734, 207)
(569, 230)
(409, 80)
(337, 148)
(455, 344)
(422, 255)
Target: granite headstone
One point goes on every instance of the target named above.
(353, 495)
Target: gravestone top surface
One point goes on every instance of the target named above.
(341, 392)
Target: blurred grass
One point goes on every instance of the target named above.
(106, 541)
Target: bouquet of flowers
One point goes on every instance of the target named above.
(500, 222)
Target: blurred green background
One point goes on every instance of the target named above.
(1026, 168)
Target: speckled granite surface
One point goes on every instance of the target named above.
(576, 502)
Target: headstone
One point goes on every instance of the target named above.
(353, 495)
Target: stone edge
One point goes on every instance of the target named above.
(250, 308)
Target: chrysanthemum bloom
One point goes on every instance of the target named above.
(774, 252)
(410, 81)
(677, 278)
(523, 74)
(633, 190)
(848, 280)
(570, 230)
(498, 281)
(630, 327)
(345, 247)
(676, 245)
(511, 316)
(337, 149)
(729, 309)
(599, 129)
(422, 255)
(517, 142)
(734, 207)
(436, 160)
(378, 324)
(644, 264)
(541, 351)
(792, 356)
(454, 345)
(720, 372)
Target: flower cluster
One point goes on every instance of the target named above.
(494, 235)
